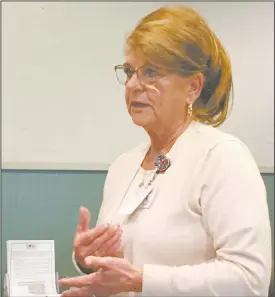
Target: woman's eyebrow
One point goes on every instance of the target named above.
(127, 64)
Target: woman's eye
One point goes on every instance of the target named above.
(150, 72)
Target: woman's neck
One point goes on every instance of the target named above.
(161, 143)
(163, 139)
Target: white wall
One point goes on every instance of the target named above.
(62, 106)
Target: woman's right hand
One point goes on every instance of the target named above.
(101, 241)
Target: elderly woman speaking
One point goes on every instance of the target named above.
(190, 205)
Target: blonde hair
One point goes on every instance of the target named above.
(178, 38)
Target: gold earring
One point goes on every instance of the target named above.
(190, 109)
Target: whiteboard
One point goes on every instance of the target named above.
(62, 107)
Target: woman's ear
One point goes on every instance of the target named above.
(196, 83)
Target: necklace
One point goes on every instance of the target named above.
(162, 163)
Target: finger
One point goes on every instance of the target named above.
(88, 237)
(84, 219)
(115, 265)
(101, 262)
(115, 251)
(78, 281)
(100, 241)
(81, 292)
(110, 245)
(116, 248)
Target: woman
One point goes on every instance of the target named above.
(191, 202)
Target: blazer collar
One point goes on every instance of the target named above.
(134, 162)
(129, 172)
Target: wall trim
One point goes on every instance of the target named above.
(264, 169)
(78, 166)
(55, 166)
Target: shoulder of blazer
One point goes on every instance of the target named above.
(126, 157)
(211, 138)
(125, 160)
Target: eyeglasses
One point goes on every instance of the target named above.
(146, 74)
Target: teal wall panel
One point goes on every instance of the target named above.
(45, 204)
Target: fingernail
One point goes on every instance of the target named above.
(88, 261)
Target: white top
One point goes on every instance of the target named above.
(207, 231)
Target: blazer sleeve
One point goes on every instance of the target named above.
(235, 214)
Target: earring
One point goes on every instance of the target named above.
(190, 109)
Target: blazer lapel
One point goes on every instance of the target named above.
(130, 170)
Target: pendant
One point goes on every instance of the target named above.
(162, 163)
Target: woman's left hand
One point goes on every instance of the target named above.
(114, 275)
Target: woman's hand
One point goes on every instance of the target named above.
(100, 241)
(114, 275)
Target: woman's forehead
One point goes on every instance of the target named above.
(135, 60)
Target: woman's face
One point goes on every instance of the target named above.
(163, 103)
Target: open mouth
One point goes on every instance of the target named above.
(139, 104)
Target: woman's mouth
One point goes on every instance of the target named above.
(137, 104)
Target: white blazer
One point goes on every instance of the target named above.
(207, 231)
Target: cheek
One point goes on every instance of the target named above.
(153, 91)
(154, 96)
(127, 96)
(166, 99)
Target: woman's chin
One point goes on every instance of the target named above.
(142, 120)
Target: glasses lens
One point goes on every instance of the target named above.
(121, 75)
(148, 74)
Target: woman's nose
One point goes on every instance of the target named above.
(133, 82)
